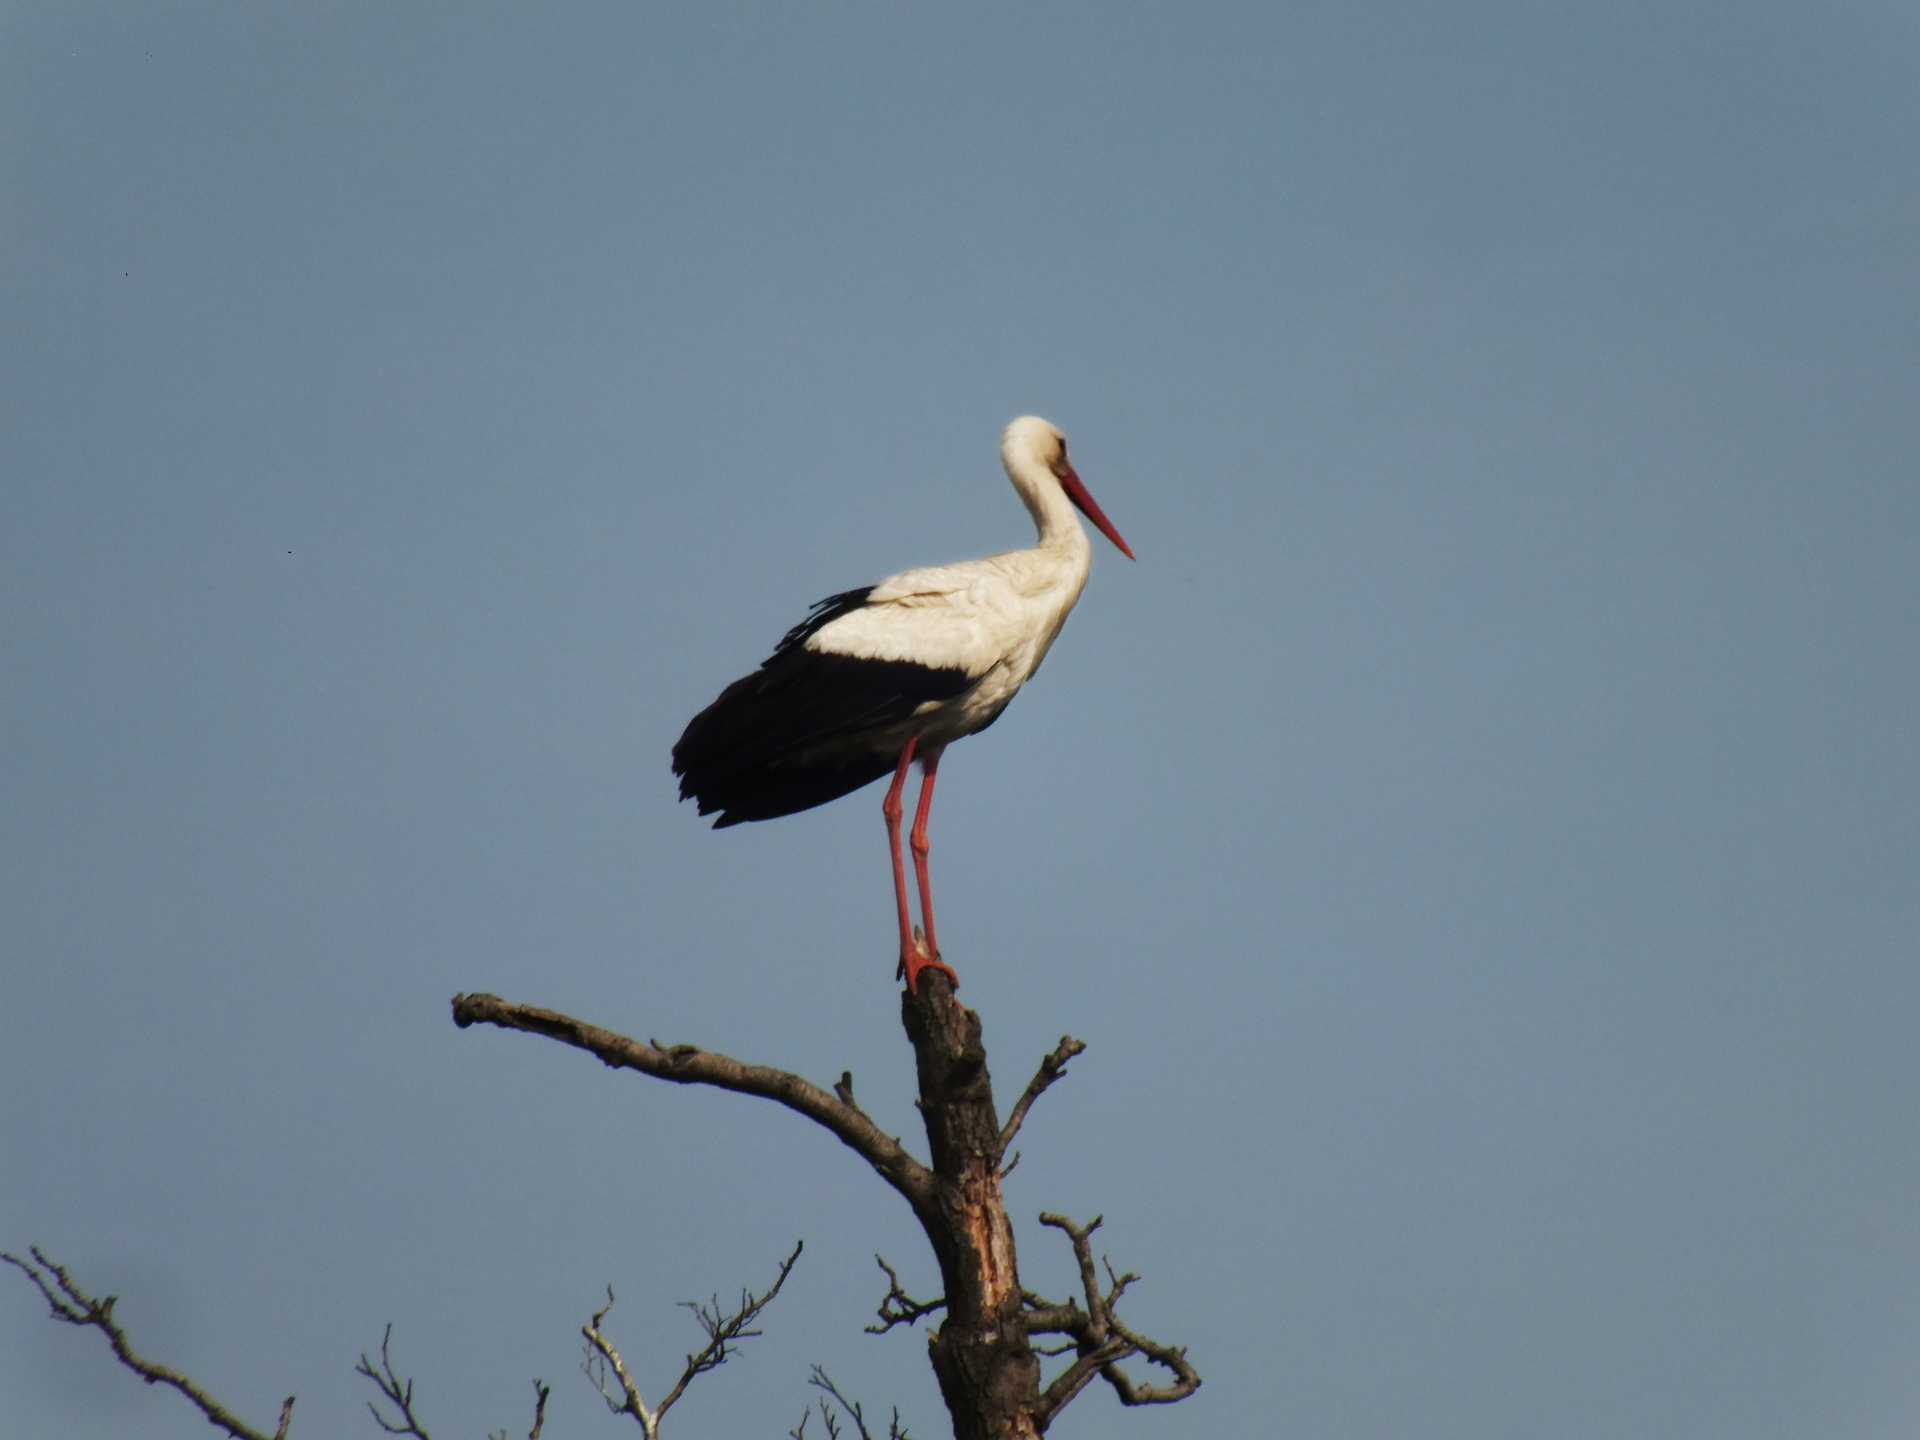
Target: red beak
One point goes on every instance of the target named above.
(1077, 493)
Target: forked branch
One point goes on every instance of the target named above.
(73, 1305)
(1099, 1338)
(821, 1381)
(396, 1391)
(724, 1329)
(897, 1307)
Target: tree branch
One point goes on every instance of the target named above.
(820, 1380)
(1046, 1318)
(690, 1065)
(724, 1333)
(399, 1392)
(899, 1308)
(1186, 1379)
(1099, 1337)
(601, 1355)
(540, 1392)
(73, 1305)
(1051, 1069)
(1098, 1305)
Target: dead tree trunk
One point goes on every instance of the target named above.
(989, 1375)
(983, 1352)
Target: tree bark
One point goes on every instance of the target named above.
(989, 1374)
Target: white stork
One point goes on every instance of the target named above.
(873, 679)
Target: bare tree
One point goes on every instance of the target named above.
(983, 1353)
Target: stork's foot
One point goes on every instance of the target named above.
(916, 959)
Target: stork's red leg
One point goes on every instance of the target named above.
(893, 810)
(930, 768)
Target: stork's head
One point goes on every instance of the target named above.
(1031, 447)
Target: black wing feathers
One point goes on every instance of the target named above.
(766, 747)
(823, 613)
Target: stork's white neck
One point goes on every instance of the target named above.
(1053, 513)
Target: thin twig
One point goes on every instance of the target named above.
(724, 1333)
(398, 1392)
(1051, 1069)
(540, 1392)
(71, 1304)
(820, 1380)
(897, 1307)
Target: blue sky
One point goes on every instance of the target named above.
(1477, 840)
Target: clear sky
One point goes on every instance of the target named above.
(1477, 841)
